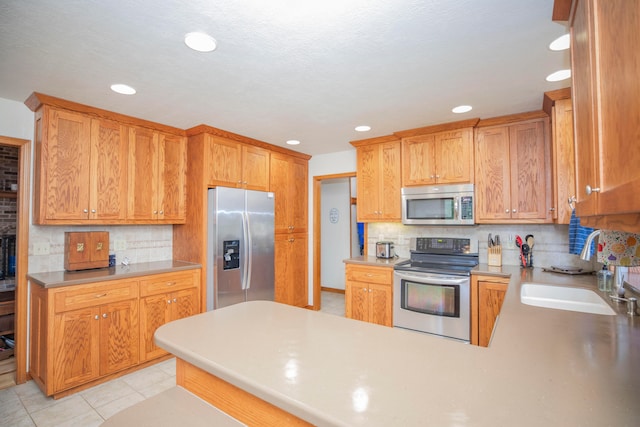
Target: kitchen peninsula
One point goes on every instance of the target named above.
(543, 367)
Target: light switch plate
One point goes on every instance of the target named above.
(41, 248)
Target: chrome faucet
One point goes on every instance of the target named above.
(586, 251)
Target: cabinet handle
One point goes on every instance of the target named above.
(97, 317)
(590, 190)
(292, 240)
(552, 209)
(104, 315)
(101, 295)
(171, 283)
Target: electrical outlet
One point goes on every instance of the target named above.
(120, 245)
(41, 249)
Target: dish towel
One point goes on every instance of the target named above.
(578, 235)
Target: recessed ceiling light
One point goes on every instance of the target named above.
(561, 43)
(462, 109)
(363, 128)
(200, 41)
(559, 75)
(123, 89)
(293, 142)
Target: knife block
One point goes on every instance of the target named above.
(494, 256)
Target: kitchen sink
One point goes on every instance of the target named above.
(564, 298)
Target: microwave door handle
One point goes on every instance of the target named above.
(456, 207)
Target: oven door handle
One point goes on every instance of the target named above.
(431, 280)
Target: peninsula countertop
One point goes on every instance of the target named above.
(55, 279)
(543, 367)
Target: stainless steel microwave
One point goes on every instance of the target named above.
(438, 205)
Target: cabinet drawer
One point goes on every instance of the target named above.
(83, 296)
(169, 282)
(380, 275)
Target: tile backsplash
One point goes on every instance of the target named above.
(551, 241)
(139, 243)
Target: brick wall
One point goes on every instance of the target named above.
(8, 176)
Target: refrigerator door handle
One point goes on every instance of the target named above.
(249, 246)
(245, 251)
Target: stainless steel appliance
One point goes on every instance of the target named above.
(431, 291)
(240, 246)
(385, 250)
(438, 205)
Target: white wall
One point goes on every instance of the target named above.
(336, 228)
(141, 243)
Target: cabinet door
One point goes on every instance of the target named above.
(493, 185)
(184, 303)
(65, 160)
(584, 104)
(390, 182)
(119, 341)
(108, 191)
(279, 184)
(563, 159)
(288, 180)
(255, 168)
(154, 312)
(380, 304)
(529, 184)
(368, 159)
(419, 160)
(454, 157)
(490, 299)
(224, 165)
(76, 352)
(291, 269)
(356, 299)
(618, 105)
(172, 176)
(298, 197)
(143, 174)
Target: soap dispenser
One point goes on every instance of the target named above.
(605, 279)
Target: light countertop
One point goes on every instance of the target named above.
(544, 367)
(55, 279)
(373, 261)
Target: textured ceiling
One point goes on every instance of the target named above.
(286, 69)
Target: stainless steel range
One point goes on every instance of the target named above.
(431, 291)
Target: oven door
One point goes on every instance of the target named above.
(432, 303)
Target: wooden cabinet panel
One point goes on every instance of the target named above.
(369, 294)
(153, 314)
(288, 181)
(157, 177)
(438, 158)
(291, 269)
(513, 181)
(379, 180)
(487, 296)
(233, 164)
(119, 343)
(604, 40)
(564, 183)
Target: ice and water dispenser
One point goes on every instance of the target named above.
(231, 254)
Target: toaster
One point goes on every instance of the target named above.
(385, 250)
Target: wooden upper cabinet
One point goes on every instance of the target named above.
(513, 173)
(233, 164)
(81, 168)
(157, 177)
(288, 181)
(97, 167)
(379, 179)
(438, 158)
(606, 103)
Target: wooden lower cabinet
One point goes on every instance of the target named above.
(164, 298)
(369, 294)
(487, 296)
(85, 333)
(291, 269)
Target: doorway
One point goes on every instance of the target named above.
(333, 218)
(15, 266)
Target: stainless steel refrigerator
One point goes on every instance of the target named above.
(240, 246)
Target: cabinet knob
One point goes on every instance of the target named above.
(104, 315)
(370, 290)
(552, 209)
(292, 240)
(85, 210)
(161, 212)
(168, 301)
(513, 210)
(175, 300)
(590, 190)
(155, 212)
(97, 317)
(437, 176)
(432, 176)
(93, 211)
(506, 211)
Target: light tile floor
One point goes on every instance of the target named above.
(25, 405)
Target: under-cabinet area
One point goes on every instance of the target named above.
(82, 334)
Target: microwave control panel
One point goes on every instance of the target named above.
(466, 207)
